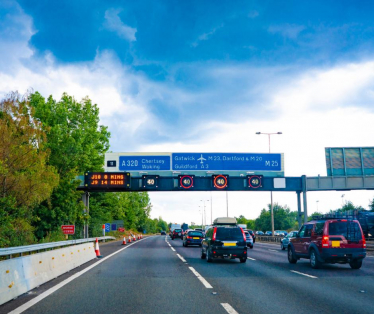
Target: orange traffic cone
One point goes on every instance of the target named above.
(129, 239)
(97, 250)
(141, 236)
(138, 237)
(134, 238)
(124, 240)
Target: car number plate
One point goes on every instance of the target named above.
(195, 238)
(229, 244)
(179, 234)
(335, 243)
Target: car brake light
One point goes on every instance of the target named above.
(214, 234)
(188, 237)
(363, 243)
(343, 220)
(325, 241)
(245, 239)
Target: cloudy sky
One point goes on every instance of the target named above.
(205, 76)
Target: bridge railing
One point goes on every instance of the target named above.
(9, 252)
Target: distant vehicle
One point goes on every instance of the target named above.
(175, 226)
(184, 227)
(193, 237)
(177, 233)
(331, 240)
(286, 239)
(249, 239)
(243, 226)
(163, 232)
(259, 233)
(268, 233)
(253, 235)
(225, 240)
(280, 232)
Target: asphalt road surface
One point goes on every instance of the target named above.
(159, 275)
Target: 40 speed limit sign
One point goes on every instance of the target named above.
(220, 182)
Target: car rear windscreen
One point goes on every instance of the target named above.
(349, 230)
(177, 230)
(195, 234)
(229, 234)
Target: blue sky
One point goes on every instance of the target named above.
(205, 75)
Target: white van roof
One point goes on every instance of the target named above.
(224, 221)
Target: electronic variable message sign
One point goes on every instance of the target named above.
(220, 182)
(186, 182)
(105, 180)
(150, 182)
(254, 182)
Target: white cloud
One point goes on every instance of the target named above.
(291, 31)
(206, 36)
(113, 23)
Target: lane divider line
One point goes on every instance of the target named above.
(297, 272)
(202, 279)
(229, 309)
(272, 250)
(182, 259)
(251, 258)
(45, 294)
(172, 249)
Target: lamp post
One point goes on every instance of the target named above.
(204, 211)
(343, 200)
(317, 205)
(271, 192)
(202, 217)
(211, 209)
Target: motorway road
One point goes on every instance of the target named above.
(154, 275)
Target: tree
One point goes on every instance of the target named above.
(25, 177)
(77, 144)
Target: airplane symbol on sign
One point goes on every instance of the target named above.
(201, 159)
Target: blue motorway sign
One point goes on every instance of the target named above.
(107, 227)
(226, 161)
(144, 163)
(114, 227)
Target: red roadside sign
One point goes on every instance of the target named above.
(121, 229)
(68, 229)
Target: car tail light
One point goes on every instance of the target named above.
(188, 237)
(363, 243)
(245, 239)
(325, 241)
(214, 234)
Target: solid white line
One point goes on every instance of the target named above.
(172, 249)
(251, 258)
(202, 279)
(182, 259)
(229, 309)
(296, 272)
(45, 294)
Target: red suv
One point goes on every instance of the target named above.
(329, 241)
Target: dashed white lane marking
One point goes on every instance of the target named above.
(251, 258)
(229, 309)
(45, 294)
(172, 249)
(272, 250)
(202, 279)
(297, 272)
(182, 259)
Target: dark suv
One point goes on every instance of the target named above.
(177, 233)
(224, 241)
(329, 241)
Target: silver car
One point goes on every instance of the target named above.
(286, 239)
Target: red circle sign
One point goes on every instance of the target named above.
(186, 182)
(220, 181)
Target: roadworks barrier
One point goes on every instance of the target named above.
(22, 274)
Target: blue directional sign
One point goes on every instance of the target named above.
(226, 162)
(114, 227)
(107, 227)
(144, 163)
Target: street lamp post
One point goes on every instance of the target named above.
(271, 192)
(202, 217)
(343, 199)
(317, 205)
(204, 211)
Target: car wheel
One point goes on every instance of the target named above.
(243, 259)
(282, 246)
(172, 238)
(355, 264)
(251, 246)
(314, 262)
(186, 244)
(291, 258)
(203, 255)
(208, 258)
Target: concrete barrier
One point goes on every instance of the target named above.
(22, 274)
